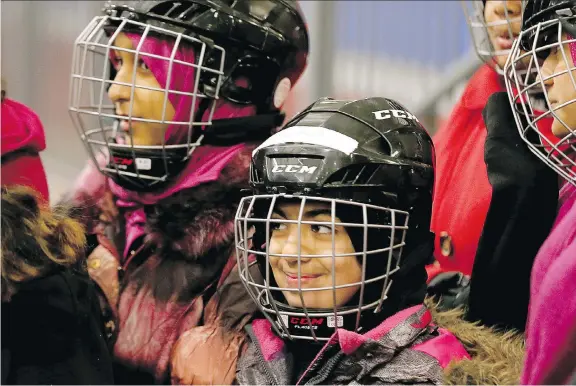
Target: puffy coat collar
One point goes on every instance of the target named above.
(363, 353)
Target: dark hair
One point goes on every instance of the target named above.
(36, 240)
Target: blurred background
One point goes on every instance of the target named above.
(417, 52)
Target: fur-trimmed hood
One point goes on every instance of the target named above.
(496, 357)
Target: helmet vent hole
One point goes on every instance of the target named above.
(177, 9)
(354, 175)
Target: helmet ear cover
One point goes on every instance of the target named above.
(252, 80)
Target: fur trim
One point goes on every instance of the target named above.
(497, 357)
(189, 235)
(194, 221)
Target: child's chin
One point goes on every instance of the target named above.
(293, 300)
(559, 130)
(501, 61)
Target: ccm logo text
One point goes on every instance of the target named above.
(387, 114)
(294, 169)
(304, 321)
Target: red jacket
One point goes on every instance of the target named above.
(22, 139)
(462, 192)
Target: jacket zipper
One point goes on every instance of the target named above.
(326, 371)
(331, 364)
(271, 380)
(307, 374)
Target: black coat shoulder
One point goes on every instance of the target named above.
(52, 333)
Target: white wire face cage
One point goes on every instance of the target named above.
(254, 224)
(95, 116)
(557, 150)
(474, 13)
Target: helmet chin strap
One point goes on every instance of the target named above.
(325, 326)
(231, 131)
(244, 129)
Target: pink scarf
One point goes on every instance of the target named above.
(205, 166)
(552, 310)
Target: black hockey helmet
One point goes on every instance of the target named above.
(372, 163)
(248, 52)
(548, 27)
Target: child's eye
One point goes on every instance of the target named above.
(142, 65)
(277, 226)
(117, 62)
(322, 229)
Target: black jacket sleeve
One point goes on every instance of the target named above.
(54, 334)
(521, 214)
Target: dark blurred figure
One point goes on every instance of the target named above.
(52, 332)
